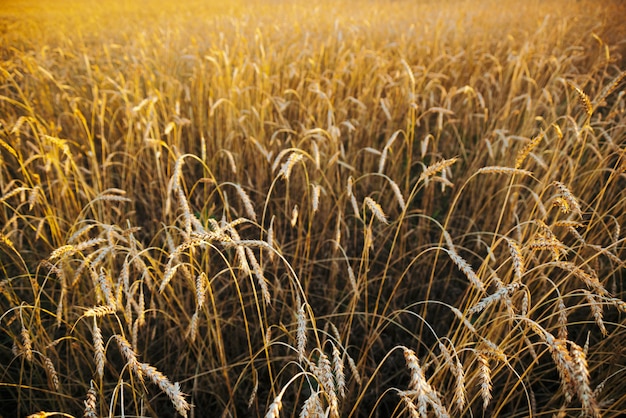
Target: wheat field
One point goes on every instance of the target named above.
(342, 208)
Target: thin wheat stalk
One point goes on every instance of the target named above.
(187, 215)
(247, 203)
(270, 238)
(105, 286)
(62, 251)
(324, 373)
(352, 280)
(316, 154)
(383, 156)
(611, 88)
(572, 368)
(255, 389)
(337, 240)
(99, 311)
(551, 244)
(562, 319)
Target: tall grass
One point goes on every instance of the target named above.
(383, 208)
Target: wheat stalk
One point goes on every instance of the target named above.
(258, 272)
(568, 198)
(98, 345)
(301, 330)
(435, 168)
(172, 390)
(315, 197)
(99, 311)
(457, 369)
(572, 368)
(518, 259)
(312, 407)
(525, 152)
(591, 281)
(275, 407)
(484, 376)
(339, 372)
(503, 170)
(562, 319)
(418, 385)
(398, 194)
(411, 406)
(355, 206)
(285, 169)
(51, 372)
(502, 293)
(193, 327)
(247, 203)
(270, 238)
(596, 310)
(27, 345)
(581, 376)
(462, 264)
(90, 402)
(584, 100)
(376, 210)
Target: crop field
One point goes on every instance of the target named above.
(343, 208)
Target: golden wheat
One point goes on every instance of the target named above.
(176, 183)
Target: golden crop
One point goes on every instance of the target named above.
(342, 208)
